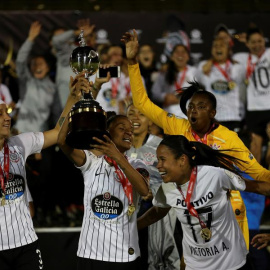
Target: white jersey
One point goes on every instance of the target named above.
(161, 88)
(108, 234)
(147, 153)
(258, 88)
(226, 249)
(112, 92)
(230, 96)
(16, 226)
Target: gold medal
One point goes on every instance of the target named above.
(3, 200)
(206, 234)
(246, 81)
(131, 209)
(113, 102)
(231, 85)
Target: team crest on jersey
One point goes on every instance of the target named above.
(215, 146)
(106, 206)
(14, 157)
(14, 189)
(149, 158)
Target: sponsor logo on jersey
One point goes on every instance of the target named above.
(250, 156)
(15, 188)
(203, 200)
(220, 87)
(106, 206)
(169, 115)
(131, 251)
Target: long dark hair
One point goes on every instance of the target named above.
(172, 70)
(195, 88)
(201, 154)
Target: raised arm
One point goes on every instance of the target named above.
(109, 149)
(80, 83)
(170, 124)
(22, 69)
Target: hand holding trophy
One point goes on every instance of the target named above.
(87, 119)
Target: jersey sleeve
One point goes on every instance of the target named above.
(160, 199)
(88, 162)
(251, 167)
(32, 142)
(169, 122)
(231, 181)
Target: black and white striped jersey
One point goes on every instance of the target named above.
(108, 234)
(16, 226)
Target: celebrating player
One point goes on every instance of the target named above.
(200, 126)
(196, 181)
(19, 247)
(109, 237)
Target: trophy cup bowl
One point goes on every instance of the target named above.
(86, 119)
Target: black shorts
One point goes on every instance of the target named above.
(89, 264)
(257, 122)
(26, 257)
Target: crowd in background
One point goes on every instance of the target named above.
(36, 87)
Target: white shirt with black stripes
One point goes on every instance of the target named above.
(258, 88)
(108, 234)
(226, 249)
(16, 226)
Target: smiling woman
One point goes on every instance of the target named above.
(200, 126)
(196, 181)
(109, 237)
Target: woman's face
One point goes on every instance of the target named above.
(140, 121)
(5, 122)
(220, 51)
(169, 167)
(256, 44)
(121, 131)
(180, 56)
(39, 67)
(146, 56)
(200, 113)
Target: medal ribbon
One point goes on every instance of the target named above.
(123, 180)
(204, 139)
(225, 72)
(115, 83)
(128, 88)
(191, 186)
(250, 66)
(177, 85)
(4, 174)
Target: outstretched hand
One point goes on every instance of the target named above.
(132, 46)
(260, 240)
(34, 30)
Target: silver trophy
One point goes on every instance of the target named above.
(87, 119)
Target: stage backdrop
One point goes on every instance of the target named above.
(111, 25)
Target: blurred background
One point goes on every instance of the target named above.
(57, 188)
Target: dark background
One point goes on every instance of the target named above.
(152, 19)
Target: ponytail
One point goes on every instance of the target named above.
(201, 154)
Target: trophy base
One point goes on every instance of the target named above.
(82, 139)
